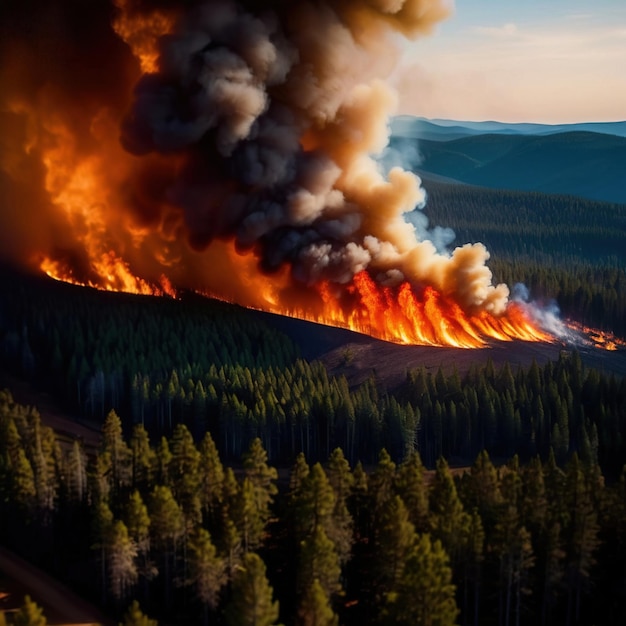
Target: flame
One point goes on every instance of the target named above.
(141, 33)
(598, 338)
(403, 314)
(407, 315)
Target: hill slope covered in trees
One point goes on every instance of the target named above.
(585, 164)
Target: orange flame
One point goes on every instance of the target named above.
(398, 315)
(599, 338)
(407, 316)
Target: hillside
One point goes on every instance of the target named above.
(590, 165)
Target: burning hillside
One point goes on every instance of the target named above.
(226, 147)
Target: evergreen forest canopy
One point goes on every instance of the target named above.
(167, 525)
(180, 507)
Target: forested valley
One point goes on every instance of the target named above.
(237, 480)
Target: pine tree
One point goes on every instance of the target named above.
(581, 536)
(207, 571)
(102, 524)
(77, 473)
(299, 472)
(167, 525)
(318, 560)
(29, 614)
(134, 617)
(358, 502)
(115, 446)
(315, 608)
(121, 552)
(143, 458)
(211, 475)
(184, 474)
(481, 490)
(425, 594)
(381, 482)
(138, 525)
(262, 477)
(411, 487)
(394, 536)
(313, 504)
(251, 602)
(247, 516)
(448, 520)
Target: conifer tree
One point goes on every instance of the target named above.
(359, 501)
(184, 474)
(581, 536)
(411, 487)
(102, 523)
(299, 472)
(425, 594)
(247, 516)
(211, 475)
(29, 614)
(207, 572)
(134, 617)
(167, 525)
(138, 525)
(448, 520)
(77, 473)
(481, 490)
(251, 602)
(114, 445)
(381, 481)
(318, 560)
(143, 458)
(394, 536)
(262, 477)
(121, 553)
(315, 608)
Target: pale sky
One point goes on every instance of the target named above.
(549, 61)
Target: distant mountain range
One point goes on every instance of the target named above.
(586, 160)
(445, 130)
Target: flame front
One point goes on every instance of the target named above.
(402, 315)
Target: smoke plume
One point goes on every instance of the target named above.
(208, 140)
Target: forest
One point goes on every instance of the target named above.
(238, 482)
(167, 524)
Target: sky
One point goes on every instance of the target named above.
(546, 61)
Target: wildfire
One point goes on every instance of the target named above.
(113, 275)
(227, 147)
(401, 315)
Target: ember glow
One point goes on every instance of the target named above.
(227, 147)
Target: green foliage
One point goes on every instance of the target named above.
(29, 614)
(315, 608)
(206, 569)
(425, 594)
(134, 617)
(251, 603)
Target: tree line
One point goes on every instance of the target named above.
(165, 525)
